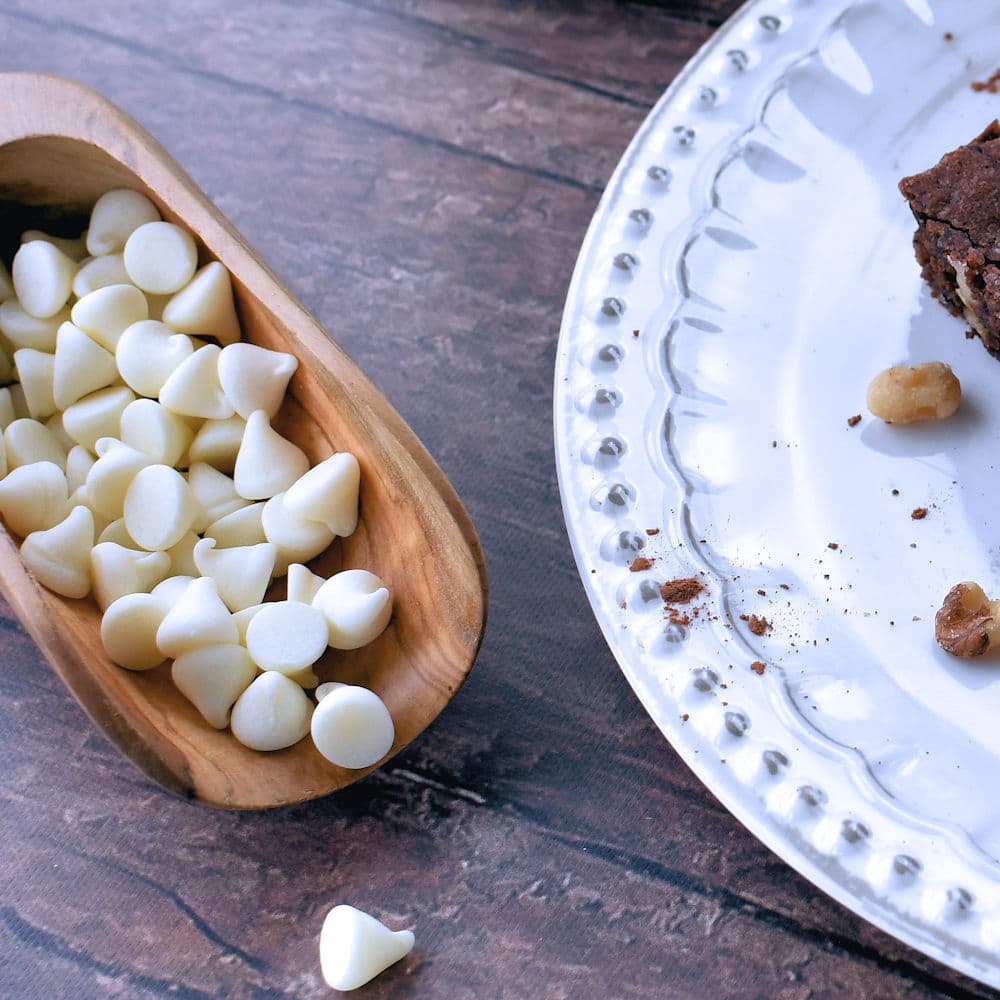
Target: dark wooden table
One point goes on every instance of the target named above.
(422, 175)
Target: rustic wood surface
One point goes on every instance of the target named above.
(421, 174)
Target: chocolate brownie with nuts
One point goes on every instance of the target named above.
(957, 207)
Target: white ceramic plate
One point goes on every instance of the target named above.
(748, 271)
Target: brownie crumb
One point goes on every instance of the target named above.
(676, 617)
(832, 545)
(763, 593)
(757, 624)
(991, 84)
(685, 717)
(918, 513)
(854, 421)
(895, 493)
(758, 667)
(635, 333)
(639, 563)
(784, 586)
(948, 36)
(681, 591)
(652, 531)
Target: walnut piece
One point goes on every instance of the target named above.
(968, 622)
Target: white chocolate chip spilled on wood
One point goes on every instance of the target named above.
(354, 947)
(140, 470)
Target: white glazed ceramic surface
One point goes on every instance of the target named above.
(748, 271)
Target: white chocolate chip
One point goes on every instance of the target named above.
(79, 462)
(254, 378)
(197, 618)
(97, 416)
(160, 257)
(116, 571)
(23, 330)
(297, 540)
(302, 583)
(108, 312)
(7, 414)
(116, 532)
(34, 497)
(159, 507)
(111, 475)
(58, 430)
(217, 443)
(241, 574)
(286, 636)
(204, 307)
(59, 557)
(216, 494)
(354, 947)
(267, 463)
(36, 373)
(43, 278)
(212, 678)
(159, 432)
(128, 631)
(241, 527)
(171, 590)
(99, 272)
(328, 493)
(75, 249)
(182, 556)
(81, 367)
(193, 387)
(243, 619)
(357, 606)
(148, 353)
(27, 441)
(116, 215)
(273, 713)
(351, 726)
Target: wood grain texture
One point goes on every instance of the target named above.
(540, 838)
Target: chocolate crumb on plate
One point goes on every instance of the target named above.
(757, 624)
(991, 84)
(682, 590)
(918, 513)
(639, 563)
(832, 545)
(652, 531)
(854, 421)
(758, 667)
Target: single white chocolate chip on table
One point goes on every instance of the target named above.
(328, 492)
(34, 497)
(43, 278)
(82, 366)
(273, 713)
(159, 507)
(205, 307)
(354, 947)
(302, 583)
(160, 257)
(148, 353)
(212, 678)
(115, 216)
(108, 312)
(128, 631)
(24, 330)
(241, 574)
(297, 540)
(267, 463)
(99, 272)
(196, 618)
(27, 441)
(254, 378)
(116, 571)
(905, 394)
(160, 433)
(351, 726)
(357, 606)
(97, 415)
(36, 374)
(968, 622)
(287, 636)
(59, 557)
(193, 387)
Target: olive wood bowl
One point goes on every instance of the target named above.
(61, 147)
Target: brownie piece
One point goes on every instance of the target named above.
(957, 242)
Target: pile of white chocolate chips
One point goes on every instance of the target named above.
(140, 466)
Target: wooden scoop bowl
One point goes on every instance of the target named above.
(61, 147)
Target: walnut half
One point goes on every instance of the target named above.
(968, 622)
